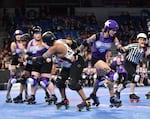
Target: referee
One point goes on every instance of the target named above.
(134, 52)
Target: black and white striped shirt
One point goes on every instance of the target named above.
(134, 54)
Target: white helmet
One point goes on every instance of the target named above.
(148, 23)
(142, 35)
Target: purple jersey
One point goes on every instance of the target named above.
(101, 46)
(36, 51)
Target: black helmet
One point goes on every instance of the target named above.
(25, 37)
(36, 29)
(74, 44)
(48, 37)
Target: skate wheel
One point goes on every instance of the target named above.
(136, 101)
(49, 103)
(27, 103)
(33, 102)
(88, 108)
(79, 109)
(55, 102)
(58, 107)
(8, 101)
(24, 101)
(117, 106)
(131, 100)
(95, 104)
(18, 101)
(111, 106)
(147, 97)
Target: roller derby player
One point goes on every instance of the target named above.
(40, 68)
(72, 66)
(49, 38)
(25, 38)
(17, 52)
(101, 44)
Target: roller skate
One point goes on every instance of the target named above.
(64, 102)
(147, 95)
(18, 99)
(95, 99)
(52, 99)
(85, 104)
(134, 98)
(8, 100)
(31, 100)
(115, 102)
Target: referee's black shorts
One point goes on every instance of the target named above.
(130, 68)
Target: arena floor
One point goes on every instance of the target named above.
(43, 111)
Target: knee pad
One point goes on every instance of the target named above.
(95, 76)
(32, 81)
(84, 76)
(113, 76)
(135, 78)
(13, 80)
(44, 82)
(60, 83)
(74, 86)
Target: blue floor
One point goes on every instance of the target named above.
(41, 110)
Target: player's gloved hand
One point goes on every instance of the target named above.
(122, 50)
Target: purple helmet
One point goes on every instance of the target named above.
(18, 32)
(111, 24)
